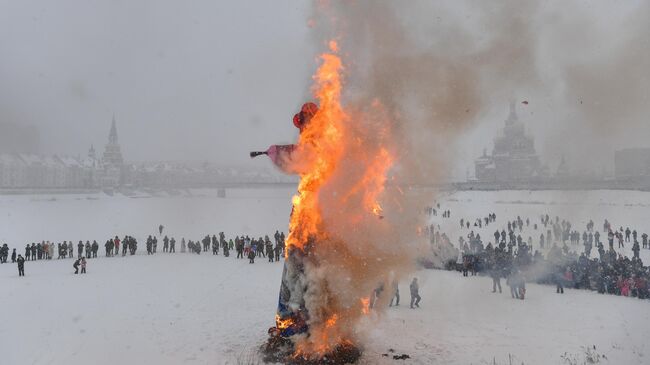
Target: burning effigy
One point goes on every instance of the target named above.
(343, 246)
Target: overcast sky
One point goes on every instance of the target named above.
(199, 80)
(212, 80)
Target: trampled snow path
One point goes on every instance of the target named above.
(189, 309)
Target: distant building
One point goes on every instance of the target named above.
(513, 157)
(112, 163)
(632, 163)
(31, 172)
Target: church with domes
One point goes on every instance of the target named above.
(513, 157)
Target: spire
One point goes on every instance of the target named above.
(512, 117)
(112, 137)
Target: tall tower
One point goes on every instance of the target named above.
(112, 153)
(112, 161)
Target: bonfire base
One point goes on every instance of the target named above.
(281, 350)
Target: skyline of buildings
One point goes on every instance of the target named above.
(33, 171)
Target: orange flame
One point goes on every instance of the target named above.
(282, 324)
(343, 162)
(365, 303)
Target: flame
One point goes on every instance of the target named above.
(282, 324)
(332, 321)
(365, 303)
(343, 159)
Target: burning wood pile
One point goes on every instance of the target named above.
(340, 248)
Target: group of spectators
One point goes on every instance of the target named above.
(245, 247)
(557, 259)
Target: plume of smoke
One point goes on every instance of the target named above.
(608, 94)
(426, 87)
(433, 87)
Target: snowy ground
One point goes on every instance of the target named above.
(188, 309)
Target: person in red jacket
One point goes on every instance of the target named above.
(116, 241)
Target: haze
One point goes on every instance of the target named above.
(210, 81)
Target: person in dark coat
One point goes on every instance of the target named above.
(13, 256)
(269, 250)
(635, 249)
(28, 252)
(21, 265)
(172, 245)
(76, 266)
(94, 248)
(149, 245)
(415, 293)
(251, 257)
(277, 249)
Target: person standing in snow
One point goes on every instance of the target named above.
(183, 244)
(635, 249)
(21, 265)
(251, 256)
(269, 250)
(13, 256)
(128, 243)
(415, 293)
(172, 245)
(277, 249)
(165, 244)
(83, 265)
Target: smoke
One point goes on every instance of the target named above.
(417, 78)
(433, 75)
(610, 90)
(447, 70)
(421, 92)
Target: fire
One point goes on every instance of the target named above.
(365, 305)
(344, 159)
(332, 321)
(282, 324)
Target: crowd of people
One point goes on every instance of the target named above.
(245, 246)
(561, 256)
(552, 258)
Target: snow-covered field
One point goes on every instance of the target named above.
(189, 309)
